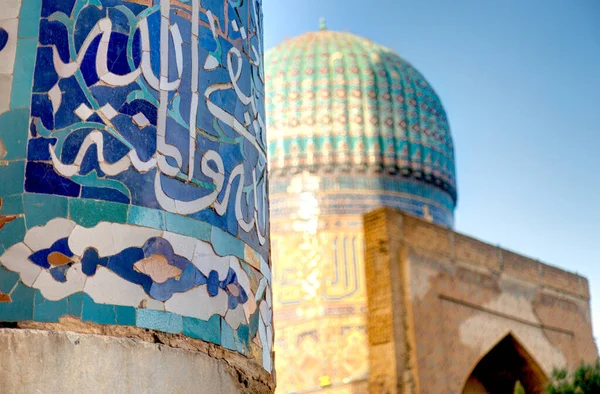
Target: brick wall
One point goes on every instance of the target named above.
(450, 298)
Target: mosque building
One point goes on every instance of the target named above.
(353, 127)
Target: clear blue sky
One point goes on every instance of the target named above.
(520, 81)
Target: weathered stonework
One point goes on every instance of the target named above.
(439, 302)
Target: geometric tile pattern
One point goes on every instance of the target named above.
(132, 142)
(345, 108)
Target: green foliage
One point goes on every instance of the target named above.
(585, 380)
(519, 388)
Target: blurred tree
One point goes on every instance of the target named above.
(585, 380)
(519, 388)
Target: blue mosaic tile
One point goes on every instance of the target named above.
(41, 178)
(8, 280)
(41, 107)
(12, 232)
(29, 17)
(21, 306)
(107, 167)
(147, 217)
(39, 148)
(106, 194)
(44, 78)
(227, 338)
(185, 226)
(225, 244)
(12, 205)
(97, 313)
(13, 132)
(158, 320)
(208, 331)
(51, 311)
(126, 315)
(23, 74)
(3, 38)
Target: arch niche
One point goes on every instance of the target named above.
(500, 369)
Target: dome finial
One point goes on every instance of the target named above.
(322, 24)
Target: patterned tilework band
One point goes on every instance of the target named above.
(355, 195)
(133, 160)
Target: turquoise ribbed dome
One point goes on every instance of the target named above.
(340, 104)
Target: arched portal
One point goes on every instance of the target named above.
(499, 370)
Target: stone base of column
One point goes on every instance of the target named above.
(41, 361)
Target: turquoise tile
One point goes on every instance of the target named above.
(88, 213)
(97, 313)
(146, 217)
(51, 311)
(208, 331)
(40, 208)
(125, 315)
(160, 321)
(74, 305)
(8, 279)
(186, 226)
(227, 339)
(29, 19)
(15, 171)
(12, 205)
(242, 339)
(253, 324)
(21, 307)
(23, 75)
(14, 132)
(12, 233)
(226, 244)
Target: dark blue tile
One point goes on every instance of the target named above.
(117, 54)
(88, 18)
(91, 260)
(143, 106)
(138, 184)
(3, 38)
(122, 265)
(41, 107)
(144, 141)
(41, 178)
(65, 116)
(213, 283)
(115, 95)
(55, 33)
(72, 144)
(114, 150)
(39, 148)
(119, 21)
(96, 119)
(49, 7)
(154, 29)
(33, 128)
(137, 48)
(106, 194)
(90, 162)
(45, 77)
(88, 66)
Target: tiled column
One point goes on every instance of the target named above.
(133, 195)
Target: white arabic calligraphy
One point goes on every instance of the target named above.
(253, 119)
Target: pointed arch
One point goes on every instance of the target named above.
(502, 366)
